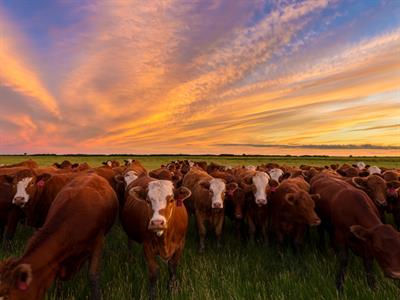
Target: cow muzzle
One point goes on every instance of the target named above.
(157, 225)
(261, 202)
(315, 222)
(19, 201)
(217, 205)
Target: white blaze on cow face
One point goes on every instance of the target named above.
(21, 197)
(275, 174)
(260, 180)
(217, 187)
(374, 170)
(109, 163)
(159, 191)
(360, 165)
(130, 177)
(191, 164)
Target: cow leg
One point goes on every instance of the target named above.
(218, 229)
(172, 266)
(11, 226)
(298, 234)
(343, 256)
(1, 232)
(368, 265)
(94, 268)
(252, 230)
(202, 232)
(153, 271)
(321, 239)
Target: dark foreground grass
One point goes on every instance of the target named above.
(237, 271)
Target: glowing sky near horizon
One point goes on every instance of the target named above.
(191, 76)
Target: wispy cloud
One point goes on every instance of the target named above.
(193, 76)
(17, 74)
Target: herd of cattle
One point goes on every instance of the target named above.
(73, 207)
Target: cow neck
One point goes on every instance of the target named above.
(41, 258)
(33, 205)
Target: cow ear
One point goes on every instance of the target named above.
(138, 191)
(23, 276)
(119, 178)
(182, 193)
(8, 178)
(42, 178)
(315, 197)
(273, 183)
(249, 180)
(231, 188)
(359, 231)
(104, 163)
(394, 184)
(285, 175)
(205, 184)
(367, 166)
(290, 198)
(360, 183)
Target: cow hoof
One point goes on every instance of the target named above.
(173, 286)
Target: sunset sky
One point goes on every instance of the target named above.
(198, 76)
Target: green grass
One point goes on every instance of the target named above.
(236, 271)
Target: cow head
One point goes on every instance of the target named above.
(374, 186)
(374, 170)
(303, 205)
(216, 188)
(239, 202)
(257, 184)
(383, 241)
(360, 165)
(26, 185)
(276, 174)
(14, 277)
(162, 198)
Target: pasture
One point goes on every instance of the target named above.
(237, 271)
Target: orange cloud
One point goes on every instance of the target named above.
(16, 74)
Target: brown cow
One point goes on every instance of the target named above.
(9, 214)
(378, 190)
(353, 221)
(291, 210)
(27, 164)
(111, 163)
(164, 173)
(207, 200)
(36, 193)
(154, 215)
(255, 185)
(83, 211)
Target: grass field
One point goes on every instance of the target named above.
(235, 272)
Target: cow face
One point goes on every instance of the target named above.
(360, 165)
(216, 188)
(303, 207)
(239, 202)
(374, 170)
(275, 174)
(161, 196)
(258, 184)
(383, 241)
(26, 185)
(129, 177)
(15, 277)
(374, 186)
